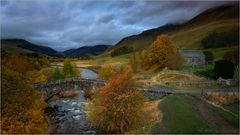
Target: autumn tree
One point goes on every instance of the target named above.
(119, 106)
(70, 69)
(57, 74)
(22, 107)
(106, 72)
(162, 53)
(40, 76)
(17, 63)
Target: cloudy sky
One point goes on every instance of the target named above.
(65, 24)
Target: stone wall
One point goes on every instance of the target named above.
(194, 83)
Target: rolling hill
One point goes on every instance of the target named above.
(25, 47)
(86, 51)
(189, 34)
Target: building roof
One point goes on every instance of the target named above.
(192, 53)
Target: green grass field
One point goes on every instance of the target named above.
(197, 67)
(184, 113)
(179, 117)
(218, 53)
(107, 58)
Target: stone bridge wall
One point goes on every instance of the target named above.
(55, 87)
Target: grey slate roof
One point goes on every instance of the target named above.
(192, 53)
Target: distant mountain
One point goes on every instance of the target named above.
(86, 51)
(186, 35)
(23, 46)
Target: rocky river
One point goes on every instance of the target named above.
(68, 115)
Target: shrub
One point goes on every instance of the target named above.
(106, 72)
(44, 61)
(38, 77)
(57, 74)
(224, 69)
(22, 107)
(118, 106)
(209, 73)
(17, 63)
(42, 75)
(223, 98)
(23, 64)
(70, 69)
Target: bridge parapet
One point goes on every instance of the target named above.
(55, 87)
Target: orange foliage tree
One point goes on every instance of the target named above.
(118, 106)
(162, 53)
(22, 107)
(42, 75)
(17, 63)
(106, 72)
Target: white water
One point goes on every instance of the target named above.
(71, 115)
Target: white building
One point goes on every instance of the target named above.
(194, 57)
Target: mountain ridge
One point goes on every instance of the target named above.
(24, 46)
(86, 51)
(213, 15)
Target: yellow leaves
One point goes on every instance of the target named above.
(23, 64)
(117, 106)
(16, 63)
(38, 77)
(22, 110)
(161, 53)
(106, 72)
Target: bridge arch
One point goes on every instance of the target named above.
(51, 88)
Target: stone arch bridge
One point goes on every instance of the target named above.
(51, 88)
(55, 87)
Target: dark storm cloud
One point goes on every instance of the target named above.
(64, 24)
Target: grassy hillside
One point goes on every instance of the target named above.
(21, 46)
(190, 34)
(191, 37)
(86, 51)
(14, 48)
